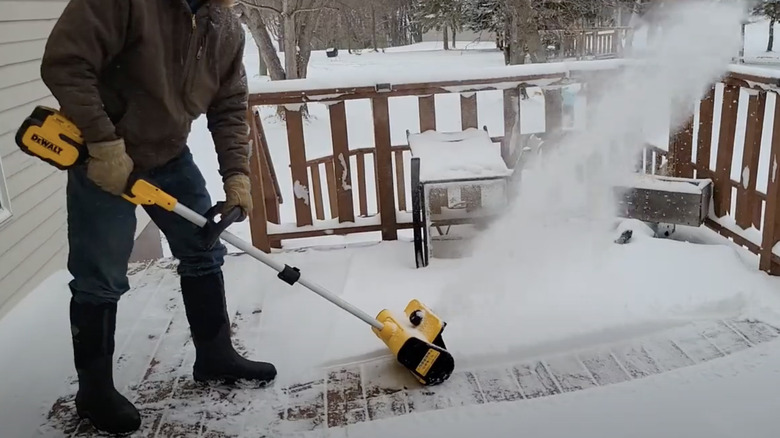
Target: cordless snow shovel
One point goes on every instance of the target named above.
(414, 339)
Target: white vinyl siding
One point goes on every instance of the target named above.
(5, 199)
(33, 236)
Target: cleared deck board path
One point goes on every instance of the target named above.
(158, 378)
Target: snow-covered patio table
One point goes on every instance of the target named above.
(457, 178)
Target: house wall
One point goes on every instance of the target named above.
(32, 240)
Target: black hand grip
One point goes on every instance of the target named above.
(212, 230)
(131, 180)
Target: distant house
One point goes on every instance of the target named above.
(33, 225)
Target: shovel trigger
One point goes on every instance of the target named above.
(289, 274)
(212, 230)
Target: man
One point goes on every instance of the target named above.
(133, 75)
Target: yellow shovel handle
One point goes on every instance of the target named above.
(142, 192)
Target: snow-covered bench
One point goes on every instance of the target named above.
(457, 178)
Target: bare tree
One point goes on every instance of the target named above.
(256, 23)
(297, 19)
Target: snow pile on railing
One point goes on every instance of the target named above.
(503, 77)
(510, 76)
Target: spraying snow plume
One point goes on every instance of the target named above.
(548, 249)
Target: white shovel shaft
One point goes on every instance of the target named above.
(245, 246)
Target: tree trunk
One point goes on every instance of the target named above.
(408, 28)
(524, 33)
(533, 40)
(771, 43)
(454, 37)
(393, 25)
(515, 43)
(742, 47)
(416, 32)
(445, 37)
(351, 34)
(536, 49)
(401, 28)
(262, 68)
(506, 45)
(290, 46)
(269, 59)
(307, 27)
(268, 56)
(280, 41)
(632, 24)
(373, 29)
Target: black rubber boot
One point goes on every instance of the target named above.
(92, 331)
(216, 361)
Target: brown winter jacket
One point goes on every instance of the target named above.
(143, 70)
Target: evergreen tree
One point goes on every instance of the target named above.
(484, 15)
(430, 13)
(440, 15)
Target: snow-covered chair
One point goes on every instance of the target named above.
(457, 178)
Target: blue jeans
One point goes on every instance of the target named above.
(101, 229)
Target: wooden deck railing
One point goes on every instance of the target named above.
(742, 163)
(340, 203)
(365, 188)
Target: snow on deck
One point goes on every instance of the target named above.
(350, 394)
(337, 379)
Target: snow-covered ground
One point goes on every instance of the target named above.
(575, 300)
(756, 38)
(534, 286)
(731, 397)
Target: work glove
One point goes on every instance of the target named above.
(109, 166)
(238, 194)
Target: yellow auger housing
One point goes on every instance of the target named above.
(416, 342)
